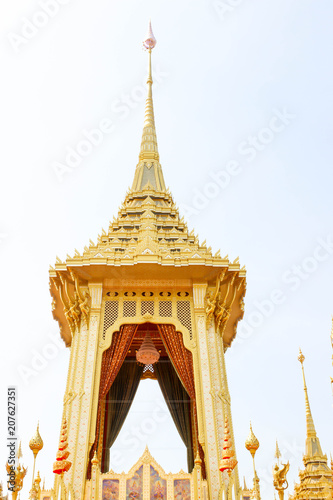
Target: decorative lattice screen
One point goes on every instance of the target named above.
(129, 308)
(184, 314)
(165, 308)
(147, 306)
(110, 314)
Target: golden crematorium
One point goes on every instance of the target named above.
(149, 300)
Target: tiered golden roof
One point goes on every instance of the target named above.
(147, 231)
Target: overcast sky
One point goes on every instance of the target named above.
(243, 108)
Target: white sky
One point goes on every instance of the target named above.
(223, 68)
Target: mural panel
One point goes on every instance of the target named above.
(134, 486)
(182, 489)
(110, 489)
(158, 486)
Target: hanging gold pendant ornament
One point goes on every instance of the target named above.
(147, 354)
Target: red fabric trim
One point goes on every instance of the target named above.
(182, 361)
(112, 360)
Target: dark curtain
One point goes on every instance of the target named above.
(112, 361)
(117, 405)
(179, 404)
(182, 361)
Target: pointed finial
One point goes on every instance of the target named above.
(19, 451)
(197, 460)
(301, 357)
(150, 41)
(149, 150)
(36, 442)
(94, 460)
(252, 443)
(277, 452)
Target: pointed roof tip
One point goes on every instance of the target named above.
(301, 357)
(150, 41)
(277, 451)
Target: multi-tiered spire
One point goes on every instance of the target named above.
(316, 478)
(312, 441)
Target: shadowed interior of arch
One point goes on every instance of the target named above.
(167, 405)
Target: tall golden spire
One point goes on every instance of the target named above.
(312, 442)
(148, 171)
(316, 477)
(149, 149)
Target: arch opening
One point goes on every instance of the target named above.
(120, 378)
(148, 423)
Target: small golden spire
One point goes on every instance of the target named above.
(35, 444)
(312, 446)
(277, 452)
(310, 428)
(252, 445)
(19, 452)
